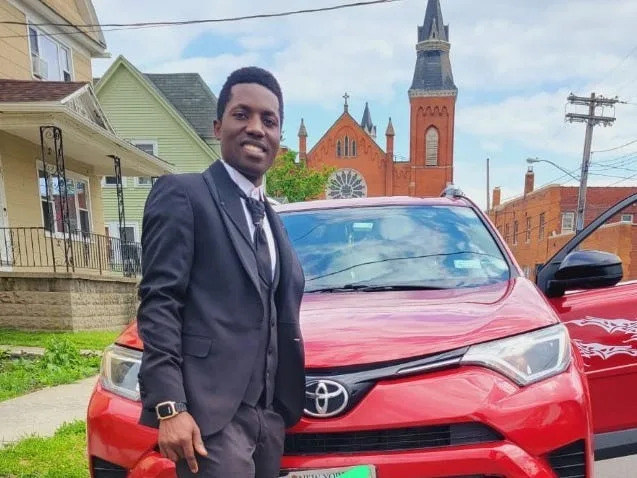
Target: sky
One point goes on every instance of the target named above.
(514, 64)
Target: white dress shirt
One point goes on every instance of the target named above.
(255, 192)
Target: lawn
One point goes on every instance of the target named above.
(61, 363)
(60, 456)
(83, 340)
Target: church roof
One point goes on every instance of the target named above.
(366, 122)
(433, 67)
(433, 27)
(302, 129)
(390, 129)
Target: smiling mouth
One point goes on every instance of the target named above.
(253, 148)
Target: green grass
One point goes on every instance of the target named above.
(60, 456)
(61, 363)
(83, 340)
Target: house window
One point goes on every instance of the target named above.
(627, 218)
(431, 155)
(149, 147)
(540, 234)
(339, 150)
(568, 222)
(528, 229)
(353, 148)
(77, 199)
(515, 232)
(527, 271)
(346, 146)
(49, 59)
(111, 181)
(506, 233)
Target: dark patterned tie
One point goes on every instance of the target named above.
(257, 211)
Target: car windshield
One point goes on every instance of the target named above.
(398, 247)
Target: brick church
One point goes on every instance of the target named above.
(363, 167)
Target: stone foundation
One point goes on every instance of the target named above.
(65, 301)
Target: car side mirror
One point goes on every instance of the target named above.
(586, 270)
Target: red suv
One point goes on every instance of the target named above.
(429, 354)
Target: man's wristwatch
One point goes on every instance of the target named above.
(166, 410)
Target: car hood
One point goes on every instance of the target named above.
(357, 328)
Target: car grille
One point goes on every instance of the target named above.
(414, 438)
(105, 469)
(569, 461)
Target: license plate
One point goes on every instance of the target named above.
(356, 472)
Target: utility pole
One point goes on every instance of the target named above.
(591, 120)
(488, 190)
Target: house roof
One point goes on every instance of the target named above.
(18, 91)
(191, 97)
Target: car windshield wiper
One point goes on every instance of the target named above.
(367, 287)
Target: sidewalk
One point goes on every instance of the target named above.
(42, 412)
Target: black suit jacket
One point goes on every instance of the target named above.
(201, 308)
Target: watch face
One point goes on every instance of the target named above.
(165, 410)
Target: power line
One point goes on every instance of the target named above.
(202, 21)
(615, 148)
(622, 180)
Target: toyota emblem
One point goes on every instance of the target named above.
(325, 398)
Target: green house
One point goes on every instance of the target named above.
(168, 115)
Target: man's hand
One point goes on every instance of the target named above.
(179, 437)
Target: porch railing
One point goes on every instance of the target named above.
(35, 248)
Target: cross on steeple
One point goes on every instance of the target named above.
(346, 106)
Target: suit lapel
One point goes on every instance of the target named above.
(224, 194)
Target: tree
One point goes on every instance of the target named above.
(295, 181)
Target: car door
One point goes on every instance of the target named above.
(602, 321)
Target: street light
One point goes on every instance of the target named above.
(537, 160)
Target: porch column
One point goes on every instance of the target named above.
(121, 213)
(52, 147)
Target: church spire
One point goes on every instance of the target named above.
(433, 28)
(366, 122)
(433, 67)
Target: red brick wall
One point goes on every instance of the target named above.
(552, 201)
(425, 113)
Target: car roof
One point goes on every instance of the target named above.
(371, 202)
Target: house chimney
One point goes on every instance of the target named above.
(529, 181)
(496, 197)
(302, 141)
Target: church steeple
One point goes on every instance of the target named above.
(433, 28)
(433, 67)
(366, 122)
(432, 100)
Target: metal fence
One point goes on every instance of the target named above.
(35, 248)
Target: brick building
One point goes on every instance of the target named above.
(363, 167)
(538, 223)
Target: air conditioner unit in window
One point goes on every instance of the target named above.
(40, 67)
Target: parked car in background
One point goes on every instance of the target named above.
(428, 352)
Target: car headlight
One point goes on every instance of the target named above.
(119, 370)
(526, 358)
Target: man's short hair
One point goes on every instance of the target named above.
(250, 74)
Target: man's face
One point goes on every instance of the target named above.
(250, 130)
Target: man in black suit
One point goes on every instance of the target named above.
(222, 373)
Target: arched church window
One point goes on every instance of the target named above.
(353, 147)
(346, 183)
(339, 151)
(431, 147)
(346, 146)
